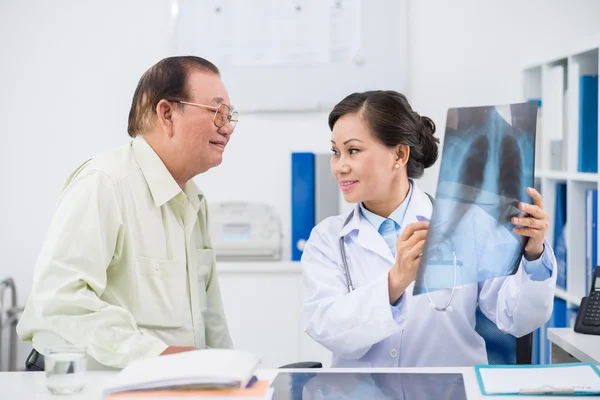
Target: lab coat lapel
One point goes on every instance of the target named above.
(419, 205)
(368, 238)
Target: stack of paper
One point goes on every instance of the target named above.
(575, 378)
(199, 373)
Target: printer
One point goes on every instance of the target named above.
(245, 231)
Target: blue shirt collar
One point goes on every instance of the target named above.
(397, 215)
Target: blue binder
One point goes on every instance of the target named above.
(303, 201)
(560, 247)
(588, 124)
(591, 234)
(557, 320)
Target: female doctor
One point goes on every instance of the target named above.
(379, 146)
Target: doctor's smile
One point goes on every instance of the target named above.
(347, 185)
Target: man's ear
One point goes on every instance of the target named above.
(164, 116)
(402, 154)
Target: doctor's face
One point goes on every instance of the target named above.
(362, 166)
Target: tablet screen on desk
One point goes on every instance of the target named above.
(370, 386)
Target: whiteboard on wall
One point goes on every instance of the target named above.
(296, 55)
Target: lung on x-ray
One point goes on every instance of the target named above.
(487, 163)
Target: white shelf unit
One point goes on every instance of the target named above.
(555, 80)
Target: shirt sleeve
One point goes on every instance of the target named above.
(541, 268)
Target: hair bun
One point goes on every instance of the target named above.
(430, 142)
(428, 125)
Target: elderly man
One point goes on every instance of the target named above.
(127, 269)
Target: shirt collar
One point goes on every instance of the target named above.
(160, 181)
(193, 193)
(374, 219)
(397, 215)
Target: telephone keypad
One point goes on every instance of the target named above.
(592, 312)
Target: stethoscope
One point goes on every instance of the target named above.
(447, 307)
(432, 305)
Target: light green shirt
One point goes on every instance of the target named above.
(127, 267)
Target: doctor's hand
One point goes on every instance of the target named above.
(534, 226)
(409, 248)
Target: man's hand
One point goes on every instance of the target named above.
(177, 349)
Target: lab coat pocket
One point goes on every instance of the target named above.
(159, 292)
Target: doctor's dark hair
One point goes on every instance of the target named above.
(391, 120)
(167, 79)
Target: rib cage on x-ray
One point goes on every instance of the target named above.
(487, 163)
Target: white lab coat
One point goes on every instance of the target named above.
(362, 329)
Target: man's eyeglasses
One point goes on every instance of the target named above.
(223, 113)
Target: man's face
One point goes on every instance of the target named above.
(200, 142)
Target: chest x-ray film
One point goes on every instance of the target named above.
(487, 164)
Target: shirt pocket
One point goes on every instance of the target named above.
(159, 292)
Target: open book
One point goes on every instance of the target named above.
(199, 369)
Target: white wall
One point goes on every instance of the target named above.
(470, 52)
(67, 75)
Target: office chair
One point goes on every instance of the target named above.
(502, 348)
(303, 364)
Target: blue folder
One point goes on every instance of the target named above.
(303, 201)
(558, 319)
(588, 124)
(591, 234)
(560, 247)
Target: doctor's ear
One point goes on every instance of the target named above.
(402, 154)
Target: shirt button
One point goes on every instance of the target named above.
(393, 353)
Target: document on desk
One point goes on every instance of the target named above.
(559, 379)
(207, 369)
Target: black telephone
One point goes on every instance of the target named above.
(588, 317)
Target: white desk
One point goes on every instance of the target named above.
(30, 385)
(582, 347)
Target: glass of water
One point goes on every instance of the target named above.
(65, 368)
